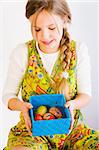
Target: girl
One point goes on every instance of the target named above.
(50, 63)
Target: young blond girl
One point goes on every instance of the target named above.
(50, 63)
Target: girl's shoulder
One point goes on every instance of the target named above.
(19, 54)
(19, 50)
(79, 46)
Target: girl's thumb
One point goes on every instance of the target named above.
(29, 105)
(67, 105)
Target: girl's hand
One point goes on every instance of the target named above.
(25, 112)
(71, 106)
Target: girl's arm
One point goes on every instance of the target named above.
(83, 74)
(16, 71)
(83, 78)
(80, 101)
(17, 105)
(83, 81)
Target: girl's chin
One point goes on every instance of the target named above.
(51, 48)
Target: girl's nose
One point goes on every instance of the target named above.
(45, 35)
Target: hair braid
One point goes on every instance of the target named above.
(65, 50)
(63, 87)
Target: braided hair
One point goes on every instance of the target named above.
(63, 87)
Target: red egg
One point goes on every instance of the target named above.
(38, 117)
(48, 116)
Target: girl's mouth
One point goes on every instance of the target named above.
(47, 42)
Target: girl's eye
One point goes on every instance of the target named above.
(52, 28)
(37, 30)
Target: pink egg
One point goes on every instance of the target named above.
(56, 112)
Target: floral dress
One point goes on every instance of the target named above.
(36, 81)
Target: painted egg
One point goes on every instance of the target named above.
(38, 117)
(56, 112)
(48, 116)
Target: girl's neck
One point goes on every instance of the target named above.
(47, 51)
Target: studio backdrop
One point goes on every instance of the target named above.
(15, 29)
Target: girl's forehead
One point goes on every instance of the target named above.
(46, 18)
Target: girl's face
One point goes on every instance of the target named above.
(47, 30)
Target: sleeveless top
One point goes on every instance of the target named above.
(37, 80)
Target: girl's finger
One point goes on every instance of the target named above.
(28, 105)
(27, 121)
(28, 128)
(67, 104)
(28, 124)
(72, 117)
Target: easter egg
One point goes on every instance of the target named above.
(38, 117)
(48, 116)
(41, 110)
(56, 112)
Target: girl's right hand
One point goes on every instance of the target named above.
(71, 105)
(25, 112)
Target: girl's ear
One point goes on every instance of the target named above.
(65, 22)
(31, 19)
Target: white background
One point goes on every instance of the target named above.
(15, 29)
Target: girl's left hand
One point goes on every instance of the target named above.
(25, 112)
(70, 105)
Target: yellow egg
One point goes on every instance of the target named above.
(41, 110)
